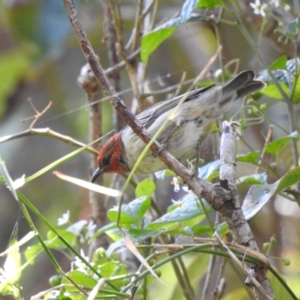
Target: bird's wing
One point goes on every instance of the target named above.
(148, 116)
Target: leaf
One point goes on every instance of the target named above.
(259, 195)
(279, 63)
(202, 229)
(164, 173)
(278, 145)
(113, 268)
(145, 188)
(32, 252)
(130, 213)
(186, 209)
(210, 3)
(109, 269)
(152, 40)
(288, 180)
(260, 178)
(56, 243)
(81, 279)
(207, 170)
(272, 91)
(250, 157)
(296, 95)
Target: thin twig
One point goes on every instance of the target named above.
(49, 133)
(267, 141)
(220, 283)
(181, 83)
(38, 114)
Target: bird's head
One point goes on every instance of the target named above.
(111, 158)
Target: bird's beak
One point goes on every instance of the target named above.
(95, 175)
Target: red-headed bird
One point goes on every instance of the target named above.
(182, 135)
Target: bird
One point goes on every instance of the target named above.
(187, 128)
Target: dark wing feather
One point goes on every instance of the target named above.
(149, 115)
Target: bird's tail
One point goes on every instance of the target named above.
(243, 84)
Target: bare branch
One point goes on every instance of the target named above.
(47, 132)
(38, 114)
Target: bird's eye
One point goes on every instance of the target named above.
(105, 161)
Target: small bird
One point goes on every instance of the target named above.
(186, 130)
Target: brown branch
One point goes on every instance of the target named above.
(235, 216)
(122, 64)
(86, 80)
(50, 133)
(112, 31)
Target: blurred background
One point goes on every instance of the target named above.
(40, 60)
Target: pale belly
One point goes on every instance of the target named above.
(181, 143)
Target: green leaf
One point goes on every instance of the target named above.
(222, 229)
(279, 63)
(109, 269)
(81, 279)
(209, 170)
(260, 178)
(164, 173)
(130, 213)
(56, 243)
(32, 252)
(210, 3)
(296, 94)
(202, 229)
(125, 219)
(278, 145)
(113, 268)
(152, 40)
(250, 157)
(186, 209)
(288, 180)
(259, 195)
(145, 188)
(272, 91)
